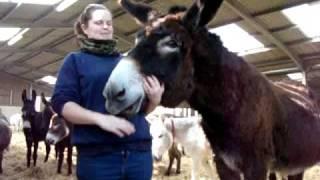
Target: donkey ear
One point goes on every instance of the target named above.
(200, 13)
(141, 12)
(34, 95)
(24, 95)
(167, 123)
(43, 99)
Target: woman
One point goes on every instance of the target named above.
(109, 147)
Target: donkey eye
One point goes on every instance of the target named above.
(55, 127)
(172, 43)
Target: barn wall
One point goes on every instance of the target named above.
(11, 88)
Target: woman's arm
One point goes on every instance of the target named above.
(76, 114)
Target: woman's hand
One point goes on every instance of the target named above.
(116, 125)
(154, 90)
(76, 114)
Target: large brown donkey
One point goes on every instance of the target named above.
(253, 125)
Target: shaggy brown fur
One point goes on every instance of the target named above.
(252, 124)
(259, 124)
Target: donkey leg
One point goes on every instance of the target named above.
(178, 170)
(69, 159)
(47, 151)
(29, 147)
(56, 150)
(224, 171)
(171, 159)
(255, 170)
(296, 177)
(272, 176)
(60, 159)
(35, 153)
(1, 157)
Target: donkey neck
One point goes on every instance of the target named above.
(227, 90)
(224, 80)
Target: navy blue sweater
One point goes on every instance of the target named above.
(81, 80)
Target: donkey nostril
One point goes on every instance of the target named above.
(50, 141)
(121, 93)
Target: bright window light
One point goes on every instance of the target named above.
(38, 102)
(306, 18)
(49, 79)
(13, 40)
(17, 37)
(238, 40)
(7, 33)
(253, 51)
(40, 2)
(316, 39)
(65, 4)
(295, 76)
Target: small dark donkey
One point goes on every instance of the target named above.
(59, 135)
(35, 124)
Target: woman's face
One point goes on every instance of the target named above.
(99, 26)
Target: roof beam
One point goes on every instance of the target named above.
(9, 12)
(35, 21)
(268, 11)
(28, 50)
(35, 53)
(244, 13)
(307, 58)
(39, 67)
(281, 71)
(46, 87)
(4, 59)
(31, 69)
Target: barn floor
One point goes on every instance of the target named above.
(14, 166)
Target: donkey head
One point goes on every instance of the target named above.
(28, 108)
(58, 130)
(162, 137)
(165, 49)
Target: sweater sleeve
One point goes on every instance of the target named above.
(67, 86)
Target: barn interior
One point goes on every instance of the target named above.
(281, 38)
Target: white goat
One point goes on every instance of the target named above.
(187, 132)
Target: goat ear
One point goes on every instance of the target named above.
(24, 95)
(34, 95)
(141, 12)
(200, 13)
